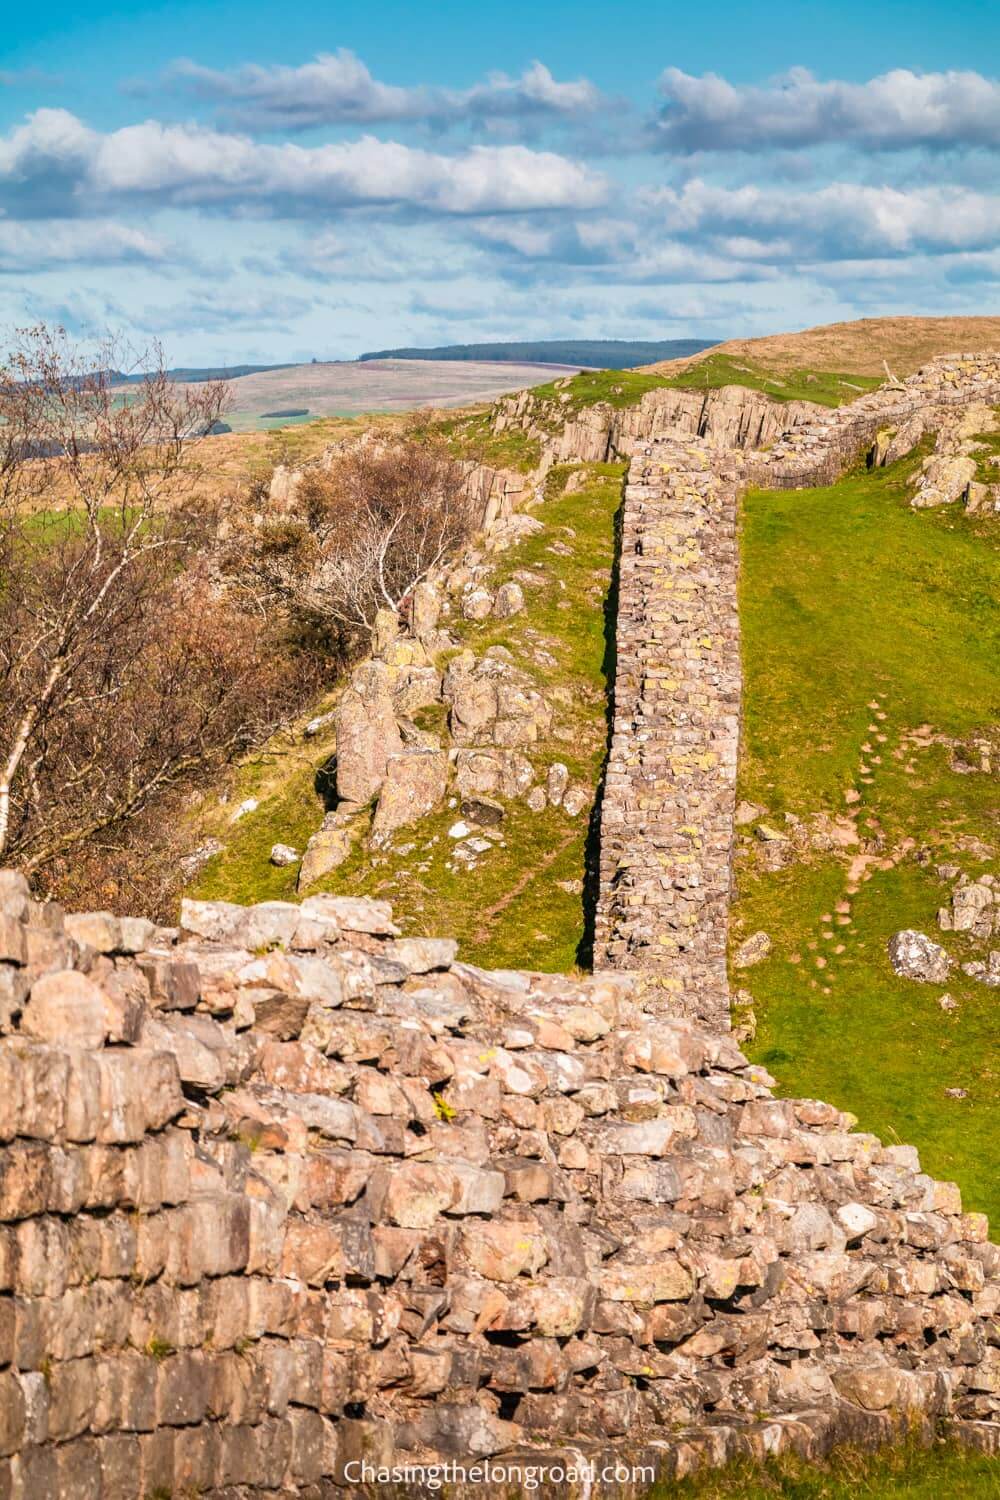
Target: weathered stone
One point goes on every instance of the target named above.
(752, 950)
(69, 1007)
(914, 955)
(509, 600)
(414, 785)
(283, 854)
(366, 733)
(328, 847)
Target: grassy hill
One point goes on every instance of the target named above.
(860, 347)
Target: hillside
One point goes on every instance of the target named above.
(860, 347)
(528, 900)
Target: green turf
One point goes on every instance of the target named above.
(622, 388)
(849, 598)
(513, 909)
(906, 1473)
(826, 387)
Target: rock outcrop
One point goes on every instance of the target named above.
(281, 1191)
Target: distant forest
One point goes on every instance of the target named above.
(600, 354)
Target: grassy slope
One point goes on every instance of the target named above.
(850, 598)
(512, 909)
(860, 347)
(907, 1473)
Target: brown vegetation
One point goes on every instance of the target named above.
(126, 674)
(857, 348)
(356, 537)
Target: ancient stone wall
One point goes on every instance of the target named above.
(282, 1192)
(669, 793)
(669, 790)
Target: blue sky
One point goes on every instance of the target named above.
(244, 182)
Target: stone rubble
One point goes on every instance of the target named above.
(280, 1189)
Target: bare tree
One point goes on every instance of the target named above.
(362, 533)
(123, 673)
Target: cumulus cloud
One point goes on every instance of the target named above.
(56, 164)
(625, 251)
(337, 88)
(840, 221)
(61, 243)
(895, 111)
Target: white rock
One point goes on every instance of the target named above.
(459, 830)
(248, 805)
(283, 854)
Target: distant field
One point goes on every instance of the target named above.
(597, 354)
(383, 385)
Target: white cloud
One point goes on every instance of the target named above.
(841, 220)
(54, 163)
(894, 111)
(337, 87)
(57, 244)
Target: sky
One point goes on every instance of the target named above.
(253, 183)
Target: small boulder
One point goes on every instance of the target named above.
(575, 799)
(482, 811)
(914, 955)
(557, 782)
(509, 601)
(752, 951)
(283, 854)
(477, 603)
(943, 481)
(328, 847)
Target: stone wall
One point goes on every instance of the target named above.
(669, 790)
(669, 793)
(281, 1191)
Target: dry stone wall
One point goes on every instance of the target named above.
(669, 793)
(282, 1192)
(669, 790)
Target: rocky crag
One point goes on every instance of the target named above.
(282, 1192)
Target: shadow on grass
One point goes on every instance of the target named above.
(609, 665)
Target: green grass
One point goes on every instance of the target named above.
(850, 598)
(469, 435)
(823, 386)
(621, 388)
(943, 1472)
(512, 909)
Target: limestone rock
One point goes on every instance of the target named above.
(385, 631)
(556, 782)
(328, 847)
(366, 733)
(283, 854)
(943, 481)
(425, 609)
(753, 950)
(477, 602)
(914, 955)
(414, 785)
(509, 601)
(575, 799)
